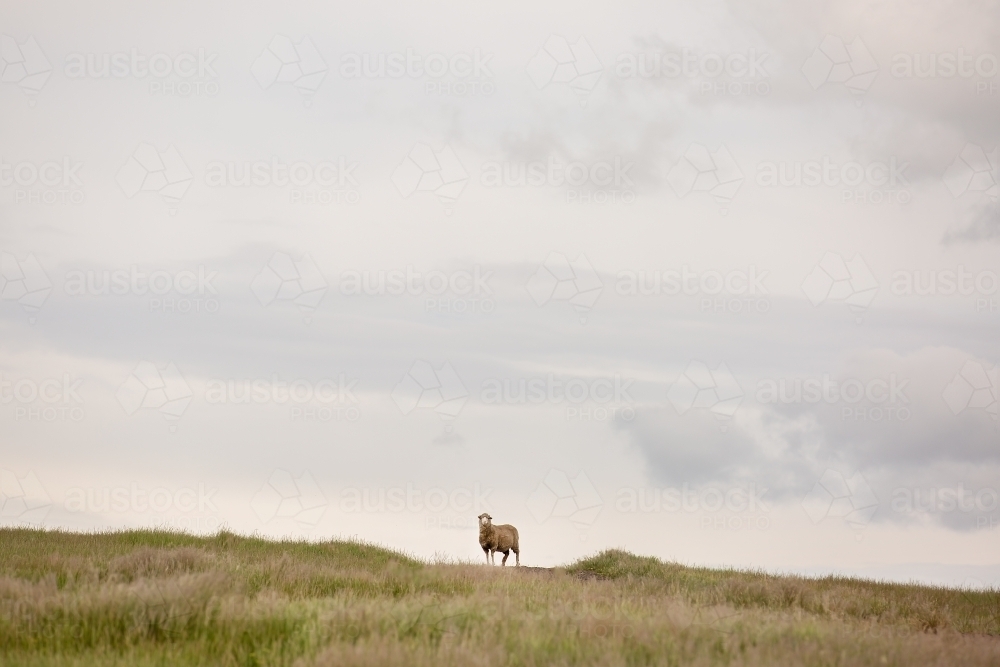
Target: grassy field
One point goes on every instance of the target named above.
(153, 598)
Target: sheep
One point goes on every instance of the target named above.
(501, 538)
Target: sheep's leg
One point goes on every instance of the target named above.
(506, 555)
(487, 552)
(517, 554)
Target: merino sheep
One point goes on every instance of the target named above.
(502, 538)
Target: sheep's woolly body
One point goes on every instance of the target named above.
(502, 538)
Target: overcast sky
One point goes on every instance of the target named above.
(712, 282)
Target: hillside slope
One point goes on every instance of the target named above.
(154, 598)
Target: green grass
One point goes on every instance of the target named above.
(157, 598)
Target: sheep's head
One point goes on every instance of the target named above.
(485, 520)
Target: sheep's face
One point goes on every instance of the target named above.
(485, 520)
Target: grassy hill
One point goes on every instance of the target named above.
(154, 598)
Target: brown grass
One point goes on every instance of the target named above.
(154, 598)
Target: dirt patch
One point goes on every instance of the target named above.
(582, 575)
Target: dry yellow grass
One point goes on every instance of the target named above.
(154, 598)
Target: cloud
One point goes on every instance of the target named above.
(377, 122)
(786, 446)
(984, 226)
